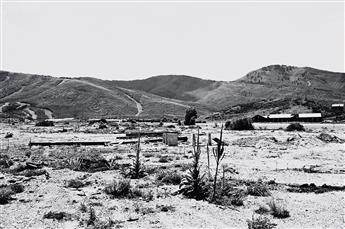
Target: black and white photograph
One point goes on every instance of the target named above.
(172, 114)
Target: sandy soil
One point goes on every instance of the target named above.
(267, 153)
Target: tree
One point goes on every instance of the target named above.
(190, 116)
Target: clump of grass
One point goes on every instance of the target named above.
(16, 187)
(5, 195)
(295, 127)
(5, 161)
(169, 177)
(92, 217)
(165, 208)
(260, 223)
(239, 124)
(278, 210)
(258, 188)
(56, 215)
(262, 210)
(119, 189)
(164, 159)
(75, 183)
(83, 207)
(137, 192)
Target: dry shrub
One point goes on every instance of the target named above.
(295, 127)
(169, 177)
(278, 210)
(56, 215)
(258, 188)
(16, 187)
(75, 183)
(5, 195)
(165, 208)
(5, 161)
(239, 124)
(260, 223)
(119, 189)
(164, 159)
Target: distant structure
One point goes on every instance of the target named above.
(304, 117)
(310, 117)
(338, 108)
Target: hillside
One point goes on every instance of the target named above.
(275, 88)
(46, 97)
(170, 86)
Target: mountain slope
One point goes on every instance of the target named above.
(83, 98)
(273, 87)
(170, 86)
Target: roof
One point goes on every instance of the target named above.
(310, 115)
(280, 116)
(338, 105)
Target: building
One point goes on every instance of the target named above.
(338, 108)
(309, 117)
(259, 118)
(280, 117)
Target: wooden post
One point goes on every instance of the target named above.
(208, 161)
(209, 139)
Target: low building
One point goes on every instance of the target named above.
(280, 117)
(309, 117)
(338, 107)
(259, 118)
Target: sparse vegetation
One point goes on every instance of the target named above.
(258, 188)
(169, 177)
(192, 184)
(218, 156)
(119, 188)
(75, 183)
(295, 127)
(260, 223)
(56, 215)
(278, 210)
(5, 195)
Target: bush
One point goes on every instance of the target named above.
(260, 223)
(16, 188)
(164, 159)
(119, 189)
(5, 195)
(295, 127)
(169, 177)
(75, 183)
(56, 215)
(258, 188)
(191, 116)
(239, 124)
(5, 161)
(278, 210)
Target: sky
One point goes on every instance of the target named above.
(135, 40)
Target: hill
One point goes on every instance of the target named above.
(275, 88)
(46, 97)
(170, 86)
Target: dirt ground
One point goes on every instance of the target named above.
(268, 153)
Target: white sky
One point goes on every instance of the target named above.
(118, 40)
